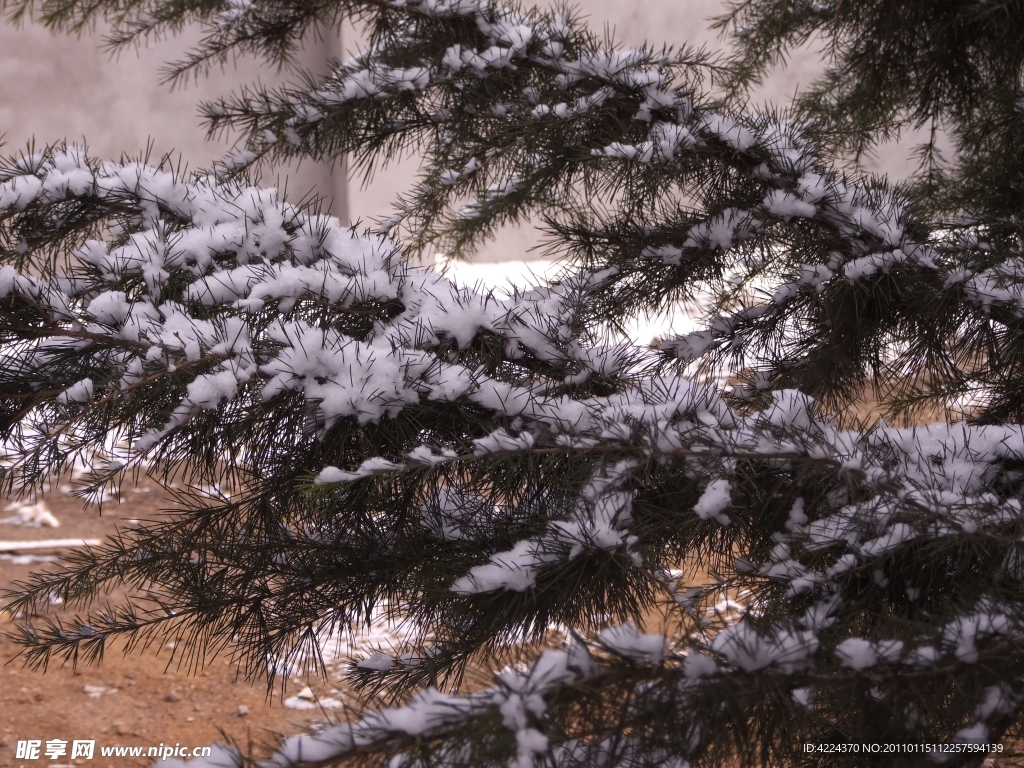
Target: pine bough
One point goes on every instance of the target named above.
(492, 470)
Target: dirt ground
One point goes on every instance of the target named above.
(134, 700)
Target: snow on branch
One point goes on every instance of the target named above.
(492, 470)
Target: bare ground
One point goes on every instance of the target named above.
(142, 699)
(133, 700)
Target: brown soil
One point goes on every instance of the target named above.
(143, 703)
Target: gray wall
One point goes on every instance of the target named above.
(61, 87)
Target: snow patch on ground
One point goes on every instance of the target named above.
(306, 699)
(30, 515)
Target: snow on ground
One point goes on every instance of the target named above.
(30, 515)
(501, 275)
(17, 546)
(383, 638)
(306, 699)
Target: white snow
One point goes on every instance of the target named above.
(626, 641)
(857, 653)
(379, 662)
(20, 546)
(750, 650)
(714, 501)
(30, 515)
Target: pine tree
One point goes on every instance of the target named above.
(736, 566)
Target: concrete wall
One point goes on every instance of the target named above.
(60, 87)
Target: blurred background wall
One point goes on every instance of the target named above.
(60, 87)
